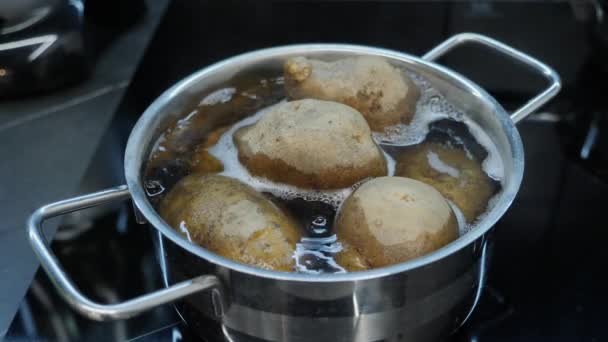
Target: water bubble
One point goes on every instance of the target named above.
(435, 104)
(315, 255)
(153, 188)
(319, 221)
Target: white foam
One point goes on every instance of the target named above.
(219, 96)
(462, 144)
(185, 120)
(440, 166)
(491, 204)
(492, 165)
(158, 144)
(432, 106)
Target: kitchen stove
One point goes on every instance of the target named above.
(544, 279)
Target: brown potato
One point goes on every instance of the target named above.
(312, 144)
(389, 220)
(449, 170)
(382, 93)
(233, 220)
(350, 259)
(214, 136)
(202, 161)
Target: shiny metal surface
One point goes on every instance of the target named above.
(532, 105)
(67, 288)
(423, 304)
(419, 300)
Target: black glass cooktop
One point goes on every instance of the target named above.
(545, 278)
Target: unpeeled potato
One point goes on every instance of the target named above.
(350, 259)
(311, 144)
(202, 161)
(389, 220)
(455, 175)
(382, 93)
(233, 220)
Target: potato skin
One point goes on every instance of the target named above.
(233, 220)
(389, 220)
(470, 189)
(350, 259)
(382, 93)
(202, 161)
(311, 144)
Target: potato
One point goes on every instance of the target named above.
(382, 93)
(311, 144)
(202, 161)
(389, 220)
(233, 220)
(456, 176)
(350, 259)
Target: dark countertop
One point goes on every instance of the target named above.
(46, 144)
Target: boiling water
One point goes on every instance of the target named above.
(245, 102)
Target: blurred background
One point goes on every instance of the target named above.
(76, 74)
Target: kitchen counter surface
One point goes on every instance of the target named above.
(46, 144)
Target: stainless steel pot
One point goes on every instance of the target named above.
(422, 299)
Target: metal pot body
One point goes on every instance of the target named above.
(422, 299)
(422, 304)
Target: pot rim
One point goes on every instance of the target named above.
(136, 155)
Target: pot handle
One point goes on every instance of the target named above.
(70, 292)
(545, 70)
